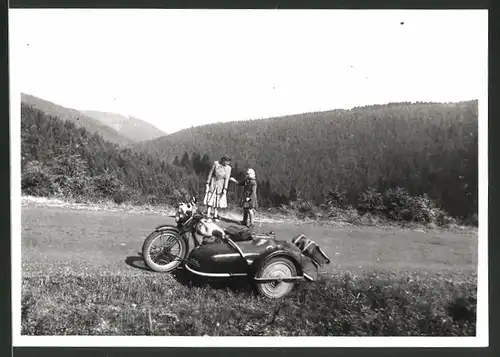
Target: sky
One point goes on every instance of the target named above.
(181, 68)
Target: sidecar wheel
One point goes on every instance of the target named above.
(169, 255)
(279, 267)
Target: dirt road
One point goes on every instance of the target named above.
(109, 242)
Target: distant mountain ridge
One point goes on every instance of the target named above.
(133, 128)
(115, 128)
(76, 117)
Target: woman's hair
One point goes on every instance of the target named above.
(225, 159)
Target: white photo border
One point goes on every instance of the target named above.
(482, 327)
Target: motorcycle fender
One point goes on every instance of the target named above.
(166, 227)
(262, 259)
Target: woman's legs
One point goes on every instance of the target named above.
(216, 204)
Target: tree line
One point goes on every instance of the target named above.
(61, 159)
(426, 148)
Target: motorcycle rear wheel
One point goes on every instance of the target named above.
(154, 261)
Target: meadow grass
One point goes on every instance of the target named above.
(368, 303)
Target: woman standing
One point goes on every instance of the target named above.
(249, 200)
(216, 187)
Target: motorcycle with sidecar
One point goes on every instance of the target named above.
(205, 249)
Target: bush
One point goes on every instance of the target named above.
(347, 214)
(37, 180)
(394, 204)
(121, 196)
(107, 185)
(371, 201)
(306, 209)
(422, 209)
(400, 206)
(397, 204)
(443, 219)
(336, 198)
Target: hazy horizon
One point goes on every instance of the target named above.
(126, 62)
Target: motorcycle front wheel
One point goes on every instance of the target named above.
(164, 251)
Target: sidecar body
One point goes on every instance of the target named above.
(273, 265)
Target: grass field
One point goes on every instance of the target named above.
(82, 275)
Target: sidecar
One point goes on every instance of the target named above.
(275, 266)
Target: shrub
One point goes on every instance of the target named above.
(444, 219)
(394, 204)
(400, 206)
(370, 201)
(347, 214)
(107, 185)
(120, 197)
(336, 198)
(422, 209)
(37, 180)
(306, 209)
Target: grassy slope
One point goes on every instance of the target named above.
(342, 305)
(130, 127)
(82, 275)
(75, 116)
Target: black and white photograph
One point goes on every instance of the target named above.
(293, 178)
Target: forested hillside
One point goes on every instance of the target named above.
(77, 118)
(426, 148)
(396, 160)
(132, 128)
(59, 158)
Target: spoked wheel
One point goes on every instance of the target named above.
(278, 267)
(164, 251)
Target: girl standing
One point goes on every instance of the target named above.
(249, 200)
(216, 187)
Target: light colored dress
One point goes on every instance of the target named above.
(218, 180)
